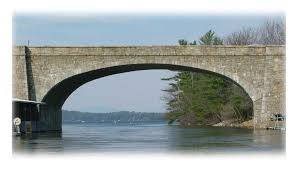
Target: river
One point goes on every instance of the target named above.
(150, 138)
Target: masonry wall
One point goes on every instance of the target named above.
(19, 74)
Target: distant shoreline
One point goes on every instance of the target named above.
(112, 117)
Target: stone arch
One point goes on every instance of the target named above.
(260, 70)
(57, 95)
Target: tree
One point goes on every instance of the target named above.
(185, 42)
(202, 98)
(210, 39)
(270, 33)
(182, 42)
(246, 36)
(184, 100)
(193, 43)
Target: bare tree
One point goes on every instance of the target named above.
(270, 33)
(246, 36)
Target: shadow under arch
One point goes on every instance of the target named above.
(57, 95)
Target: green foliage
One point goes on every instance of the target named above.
(193, 43)
(210, 39)
(205, 95)
(202, 98)
(182, 42)
(185, 42)
(123, 116)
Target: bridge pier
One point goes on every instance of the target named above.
(51, 119)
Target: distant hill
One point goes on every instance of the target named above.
(92, 109)
(122, 116)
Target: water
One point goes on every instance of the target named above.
(150, 138)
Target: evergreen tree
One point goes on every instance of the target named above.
(202, 98)
(182, 42)
(210, 39)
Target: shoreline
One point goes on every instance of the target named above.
(234, 123)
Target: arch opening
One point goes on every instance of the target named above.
(57, 95)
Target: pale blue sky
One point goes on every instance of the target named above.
(133, 91)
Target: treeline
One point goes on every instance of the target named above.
(270, 33)
(121, 116)
(206, 99)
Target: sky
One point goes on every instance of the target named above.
(139, 91)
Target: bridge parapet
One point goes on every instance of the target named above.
(153, 51)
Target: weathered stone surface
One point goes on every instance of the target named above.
(51, 74)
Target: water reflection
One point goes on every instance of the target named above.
(98, 138)
(38, 142)
(218, 139)
(274, 138)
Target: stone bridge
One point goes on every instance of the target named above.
(51, 73)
